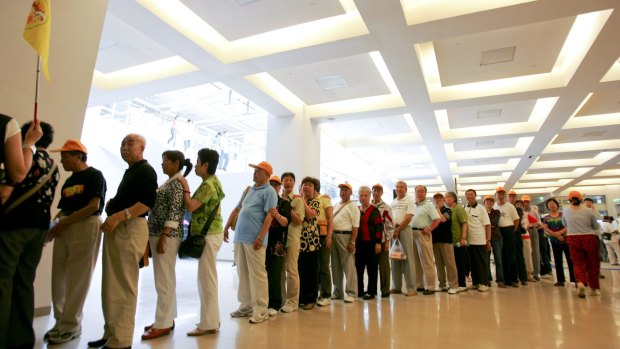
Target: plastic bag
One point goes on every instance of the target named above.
(396, 251)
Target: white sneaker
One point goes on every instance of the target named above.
(546, 276)
(483, 288)
(473, 287)
(453, 290)
(462, 289)
(272, 312)
(581, 290)
(595, 292)
(64, 337)
(349, 299)
(258, 318)
(287, 309)
(323, 302)
(241, 313)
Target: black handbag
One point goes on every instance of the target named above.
(193, 245)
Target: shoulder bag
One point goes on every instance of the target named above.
(193, 245)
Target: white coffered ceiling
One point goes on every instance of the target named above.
(522, 94)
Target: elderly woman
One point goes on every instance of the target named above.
(318, 207)
(368, 246)
(206, 199)
(582, 226)
(165, 235)
(552, 224)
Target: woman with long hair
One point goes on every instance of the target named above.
(165, 235)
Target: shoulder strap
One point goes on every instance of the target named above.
(205, 228)
(341, 207)
(40, 183)
(245, 192)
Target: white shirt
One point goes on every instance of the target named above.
(402, 207)
(348, 217)
(508, 214)
(477, 220)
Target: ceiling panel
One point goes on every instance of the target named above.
(490, 114)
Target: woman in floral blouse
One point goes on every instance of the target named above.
(552, 224)
(165, 235)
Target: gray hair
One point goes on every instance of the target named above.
(364, 188)
(452, 195)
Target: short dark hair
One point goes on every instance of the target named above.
(83, 156)
(519, 201)
(177, 156)
(423, 186)
(211, 157)
(468, 190)
(588, 199)
(314, 181)
(551, 200)
(288, 174)
(48, 134)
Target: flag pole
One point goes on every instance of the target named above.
(36, 91)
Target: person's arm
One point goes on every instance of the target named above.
(84, 212)
(402, 225)
(134, 210)
(310, 212)
(296, 206)
(18, 159)
(329, 213)
(488, 236)
(258, 243)
(516, 224)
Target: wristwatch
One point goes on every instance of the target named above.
(31, 147)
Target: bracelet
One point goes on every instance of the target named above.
(127, 214)
(186, 191)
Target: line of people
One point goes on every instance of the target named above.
(291, 250)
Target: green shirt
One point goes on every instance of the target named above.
(209, 193)
(458, 218)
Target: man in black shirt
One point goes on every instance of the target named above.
(78, 237)
(125, 237)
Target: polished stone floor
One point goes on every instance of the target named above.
(536, 316)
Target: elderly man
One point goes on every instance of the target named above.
(442, 248)
(509, 222)
(425, 219)
(533, 223)
(459, 238)
(403, 208)
(346, 225)
(250, 241)
(125, 237)
(478, 240)
(77, 239)
(388, 224)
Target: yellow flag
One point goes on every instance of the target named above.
(37, 31)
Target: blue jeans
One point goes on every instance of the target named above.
(497, 246)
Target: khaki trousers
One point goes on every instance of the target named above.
(292, 277)
(73, 263)
(122, 250)
(253, 290)
(446, 264)
(343, 265)
(424, 256)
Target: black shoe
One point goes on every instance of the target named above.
(98, 343)
(385, 295)
(420, 289)
(514, 284)
(367, 296)
(428, 292)
(106, 347)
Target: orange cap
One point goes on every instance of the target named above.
(71, 145)
(275, 178)
(525, 198)
(575, 194)
(512, 192)
(498, 189)
(264, 165)
(489, 197)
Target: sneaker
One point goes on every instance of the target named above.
(411, 293)
(241, 313)
(64, 337)
(323, 302)
(453, 290)
(581, 290)
(546, 276)
(308, 306)
(258, 318)
(462, 289)
(428, 292)
(97, 343)
(349, 299)
(483, 288)
(287, 309)
(595, 292)
(395, 291)
(367, 296)
(515, 284)
(473, 287)
(443, 289)
(420, 289)
(501, 285)
(272, 312)
(51, 333)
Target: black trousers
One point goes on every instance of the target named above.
(509, 254)
(462, 264)
(308, 268)
(366, 259)
(521, 271)
(558, 249)
(274, 265)
(545, 253)
(479, 258)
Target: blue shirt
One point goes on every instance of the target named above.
(254, 209)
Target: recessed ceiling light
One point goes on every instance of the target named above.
(489, 113)
(500, 55)
(369, 126)
(331, 82)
